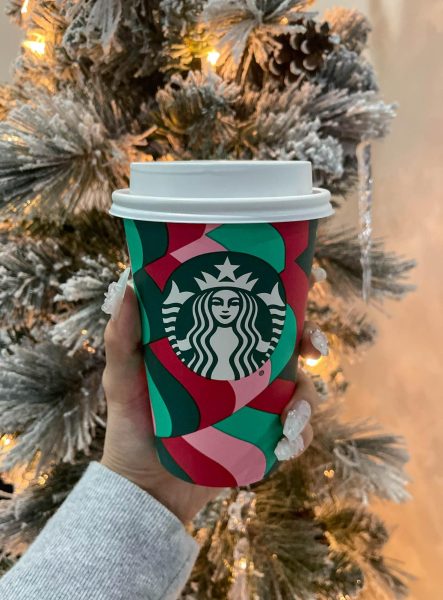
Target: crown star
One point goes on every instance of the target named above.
(226, 278)
(227, 270)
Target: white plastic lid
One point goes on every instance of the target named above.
(221, 192)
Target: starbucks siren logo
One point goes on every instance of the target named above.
(224, 330)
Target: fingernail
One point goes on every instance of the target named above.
(319, 274)
(115, 294)
(320, 342)
(297, 419)
(287, 449)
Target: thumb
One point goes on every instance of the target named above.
(123, 337)
(124, 377)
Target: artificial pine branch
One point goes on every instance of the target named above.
(84, 326)
(281, 128)
(339, 253)
(64, 152)
(30, 273)
(6, 100)
(351, 116)
(13, 334)
(246, 29)
(185, 40)
(121, 40)
(13, 10)
(197, 115)
(43, 22)
(87, 233)
(305, 122)
(344, 69)
(34, 269)
(389, 578)
(358, 460)
(351, 25)
(351, 330)
(363, 536)
(6, 562)
(50, 400)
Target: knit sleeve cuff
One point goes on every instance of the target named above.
(109, 539)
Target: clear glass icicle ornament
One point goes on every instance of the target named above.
(365, 198)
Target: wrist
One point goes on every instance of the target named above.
(185, 513)
(183, 499)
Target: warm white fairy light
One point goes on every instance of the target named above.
(5, 440)
(36, 44)
(312, 362)
(213, 56)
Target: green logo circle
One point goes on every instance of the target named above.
(223, 314)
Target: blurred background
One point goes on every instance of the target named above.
(398, 381)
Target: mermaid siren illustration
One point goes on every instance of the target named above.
(223, 323)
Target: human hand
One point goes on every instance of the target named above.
(129, 442)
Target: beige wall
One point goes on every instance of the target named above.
(399, 380)
(10, 36)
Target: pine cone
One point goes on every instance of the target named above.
(302, 51)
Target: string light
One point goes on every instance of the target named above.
(88, 347)
(329, 474)
(36, 44)
(312, 362)
(213, 56)
(243, 563)
(284, 20)
(6, 440)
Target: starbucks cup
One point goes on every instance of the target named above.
(221, 254)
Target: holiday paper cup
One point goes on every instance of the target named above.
(221, 254)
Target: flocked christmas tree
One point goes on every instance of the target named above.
(100, 83)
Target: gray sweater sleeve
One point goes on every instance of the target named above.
(109, 540)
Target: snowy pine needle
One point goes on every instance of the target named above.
(84, 322)
(364, 461)
(339, 253)
(197, 113)
(121, 39)
(351, 25)
(30, 273)
(61, 153)
(248, 27)
(50, 399)
(343, 69)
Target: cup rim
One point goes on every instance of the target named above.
(264, 209)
